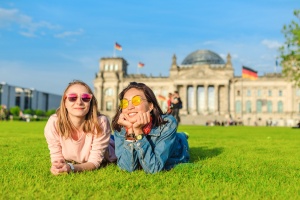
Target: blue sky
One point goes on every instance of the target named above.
(46, 44)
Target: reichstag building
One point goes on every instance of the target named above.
(209, 90)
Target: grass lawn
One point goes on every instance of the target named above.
(226, 163)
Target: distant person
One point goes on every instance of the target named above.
(145, 137)
(78, 136)
(5, 112)
(2, 112)
(169, 103)
(176, 106)
(21, 116)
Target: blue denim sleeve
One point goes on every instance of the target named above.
(153, 158)
(126, 154)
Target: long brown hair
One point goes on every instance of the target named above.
(91, 124)
(156, 113)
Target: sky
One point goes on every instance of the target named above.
(46, 44)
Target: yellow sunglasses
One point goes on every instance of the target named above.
(136, 100)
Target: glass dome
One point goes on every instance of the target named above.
(201, 57)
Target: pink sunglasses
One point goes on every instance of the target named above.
(85, 97)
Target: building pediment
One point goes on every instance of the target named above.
(200, 74)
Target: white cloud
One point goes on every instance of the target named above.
(271, 44)
(69, 33)
(9, 17)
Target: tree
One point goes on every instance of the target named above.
(290, 51)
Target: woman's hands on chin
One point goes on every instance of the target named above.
(124, 121)
(141, 120)
(134, 125)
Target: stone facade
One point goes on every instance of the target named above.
(209, 91)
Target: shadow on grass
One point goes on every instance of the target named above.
(203, 153)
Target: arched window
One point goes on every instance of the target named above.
(269, 107)
(248, 107)
(280, 107)
(258, 106)
(109, 92)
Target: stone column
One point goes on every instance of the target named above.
(100, 96)
(184, 98)
(217, 111)
(206, 98)
(116, 90)
(195, 100)
(232, 98)
(226, 88)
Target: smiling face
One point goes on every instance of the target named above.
(131, 111)
(78, 108)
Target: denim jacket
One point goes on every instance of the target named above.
(161, 149)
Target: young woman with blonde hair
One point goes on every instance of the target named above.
(78, 136)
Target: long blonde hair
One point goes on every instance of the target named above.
(91, 124)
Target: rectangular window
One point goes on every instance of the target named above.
(280, 93)
(258, 93)
(238, 107)
(270, 93)
(248, 93)
(109, 106)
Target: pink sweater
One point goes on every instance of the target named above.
(88, 148)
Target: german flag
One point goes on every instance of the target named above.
(249, 73)
(161, 97)
(141, 65)
(118, 47)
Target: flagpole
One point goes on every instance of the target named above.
(114, 55)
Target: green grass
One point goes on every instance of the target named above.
(226, 163)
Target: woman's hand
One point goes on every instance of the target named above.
(137, 126)
(141, 120)
(59, 167)
(123, 121)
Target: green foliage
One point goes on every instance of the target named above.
(50, 112)
(40, 113)
(290, 51)
(15, 111)
(29, 111)
(226, 163)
